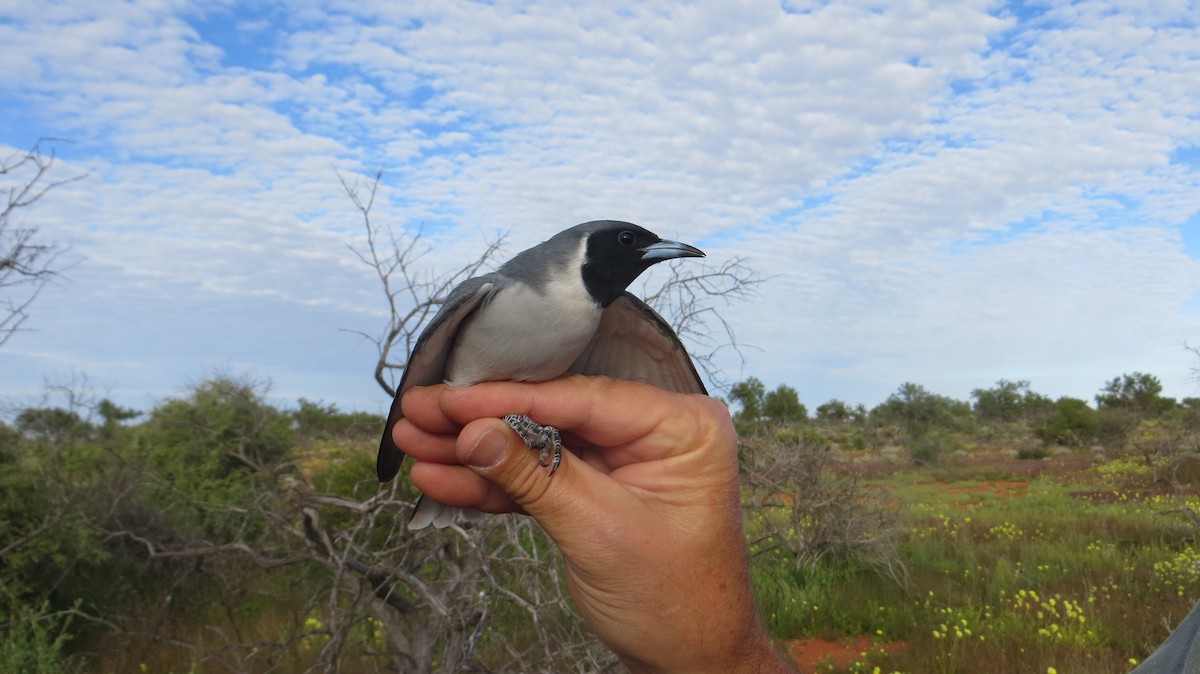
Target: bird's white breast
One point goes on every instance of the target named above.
(526, 334)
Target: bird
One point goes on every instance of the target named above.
(559, 307)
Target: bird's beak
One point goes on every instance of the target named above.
(668, 250)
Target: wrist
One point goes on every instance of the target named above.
(757, 655)
(761, 657)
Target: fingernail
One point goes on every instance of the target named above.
(488, 450)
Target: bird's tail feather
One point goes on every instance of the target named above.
(429, 511)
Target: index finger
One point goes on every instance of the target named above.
(602, 411)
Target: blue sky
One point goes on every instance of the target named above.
(943, 193)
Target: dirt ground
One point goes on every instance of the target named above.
(811, 654)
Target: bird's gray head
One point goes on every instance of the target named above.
(617, 252)
(614, 253)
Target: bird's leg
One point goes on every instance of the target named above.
(545, 439)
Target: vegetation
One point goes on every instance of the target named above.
(215, 532)
(1016, 534)
(221, 533)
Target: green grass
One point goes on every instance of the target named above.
(1075, 571)
(1009, 579)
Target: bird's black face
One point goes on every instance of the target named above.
(617, 252)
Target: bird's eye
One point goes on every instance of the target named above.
(627, 238)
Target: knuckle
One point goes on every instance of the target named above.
(527, 481)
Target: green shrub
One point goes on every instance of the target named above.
(1033, 453)
(1074, 424)
(32, 639)
(931, 445)
(920, 411)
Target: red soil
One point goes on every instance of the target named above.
(813, 655)
(1001, 487)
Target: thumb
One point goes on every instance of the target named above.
(496, 453)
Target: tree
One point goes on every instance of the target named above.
(805, 510)
(834, 410)
(928, 419)
(1009, 401)
(326, 421)
(919, 410)
(26, 262)
(222, 426)
(750, 395)
(1125, 403)
(839, 411)
(1074, 424)
(112, 416)
(413, 295)
(1137, 392)
(50, 468)
(53, 424)
(690, 301)
(1194, 371)
(783, 405)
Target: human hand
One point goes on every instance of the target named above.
(646, 511)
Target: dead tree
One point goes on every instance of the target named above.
(804, 507)
(691, 300)
(413, 293)
(27, 263)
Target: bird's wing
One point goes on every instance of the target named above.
(633, 342)
(427, 363)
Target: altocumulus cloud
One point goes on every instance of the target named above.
(946, 193)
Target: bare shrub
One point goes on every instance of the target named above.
(807, 506)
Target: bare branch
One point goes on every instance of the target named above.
(1194, 371)
(156, 550)
(413, 294)
(691, 300)
(24, 260)
(813, 511)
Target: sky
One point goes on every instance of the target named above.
(944, 193)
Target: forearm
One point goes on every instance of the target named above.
(712, 623)
(755, 655)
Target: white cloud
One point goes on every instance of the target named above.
(943, 191)
(686, 110)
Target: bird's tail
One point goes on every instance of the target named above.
(440, 515)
